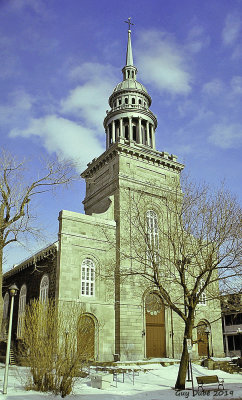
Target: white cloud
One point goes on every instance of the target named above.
(90, 100)
(226, 136)
(162, 62)
(214, 87)
(58, 133)
(197, 39)
(64, 137)
(17, 5)
(236, 85)
(231, 29)
(18, 107)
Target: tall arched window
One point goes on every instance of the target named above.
(153, 235)
(21, 310)
(88, 278)
(5, 305)
(202, 298)
(44, 288)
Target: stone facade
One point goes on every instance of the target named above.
(93, 248)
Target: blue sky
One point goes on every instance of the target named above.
(61, 59)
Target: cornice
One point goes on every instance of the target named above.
(150, 155)
(40, 255)
(128, 90)
(123, 110)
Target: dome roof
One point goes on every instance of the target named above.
(129, 84)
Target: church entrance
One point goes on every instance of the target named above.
(86, 338)
(155, 326)
(202, 338)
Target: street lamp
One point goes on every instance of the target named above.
(239, 331)
(207, 331)
(13, 291)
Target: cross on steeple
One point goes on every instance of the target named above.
(129, 22)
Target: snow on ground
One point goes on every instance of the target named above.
(155, 384)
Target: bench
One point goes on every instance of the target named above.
(209, 379)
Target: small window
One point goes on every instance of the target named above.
(44, 289)
(119, 101)
(202, 298)
(140, 102)
(88, 278)
(5, 305)
(126, 100)
(133, 100)
(21, 310)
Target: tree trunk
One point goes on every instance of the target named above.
(181, 378)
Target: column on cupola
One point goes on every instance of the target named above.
(130, 128)
(121, 134)
(113, 131)
(107, 138)
(139, 131)
(153, 136)
(148, 133)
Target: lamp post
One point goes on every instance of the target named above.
(13, 291)
(207, 331)
(239, 331)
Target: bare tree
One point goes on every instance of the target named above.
(56, 344)
(17, 189)
(193, 245)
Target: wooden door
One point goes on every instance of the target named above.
(86, 338)
(155, 328)
(202, 339)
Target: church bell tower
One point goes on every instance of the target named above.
(130, 119)
(130, 166)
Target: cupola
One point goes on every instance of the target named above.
(130, 119)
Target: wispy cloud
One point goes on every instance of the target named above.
(226, 136)
(17, 108)
(162, 62)
(214, 87)
(231, 29)
(197, 39)
(74, 127)
(64, 137)
(89, 100)
(35, 5)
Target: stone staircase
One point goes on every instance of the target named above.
(232, 367)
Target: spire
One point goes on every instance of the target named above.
(129, 54)
(129, 71)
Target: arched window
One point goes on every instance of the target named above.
(126, 100)
(44, 288)
(133, 100)
(21, 310)
(202, 298)
(5, 305)
(153, 235)
(88, 278)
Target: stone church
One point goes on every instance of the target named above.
(126, 322)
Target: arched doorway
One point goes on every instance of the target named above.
(202, 338)
(155, 326)
(86, 338)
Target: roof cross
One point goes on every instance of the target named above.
(129, 22)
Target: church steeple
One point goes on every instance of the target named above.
(130, 120)
(129, 70)
(129, 54)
